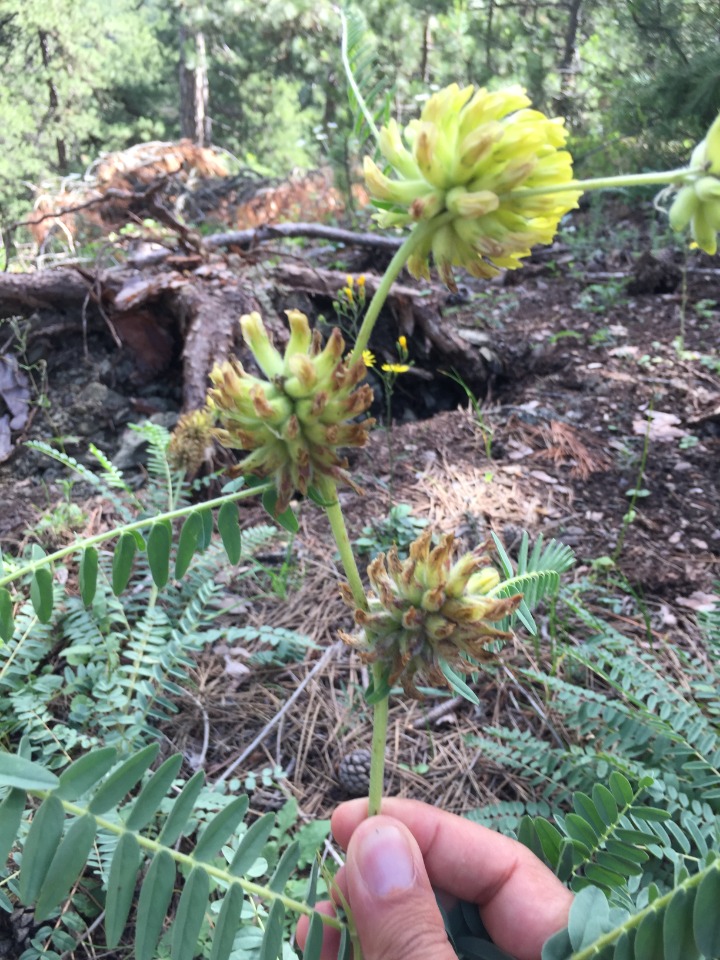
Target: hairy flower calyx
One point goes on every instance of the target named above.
(429, 612)
(292, 423)
(465, 157)
(697, 203)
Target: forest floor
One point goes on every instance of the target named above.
(597, 393)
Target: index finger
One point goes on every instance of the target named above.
(471, 862)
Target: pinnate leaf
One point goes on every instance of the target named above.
(11, 811)
(190, 914)
(41, 594)
(123, 779)
(24, 774)
(706, 915)
(122, 562)
(66, 866)
(220, 828)
(7, 622)
(182, 809)
(121, 887)
(229, 527)
(155, 896)
(40, 846)
(152, 794)
(227, 924)
(188, 544)
(87, 575)
(251, 845)
(272, 940)
(159, 543)
(85, 772)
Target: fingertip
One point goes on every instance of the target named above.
(346, 818)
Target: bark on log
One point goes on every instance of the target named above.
(58, 290)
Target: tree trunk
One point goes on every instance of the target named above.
(194, 90)
(567, 67)
(53, 102)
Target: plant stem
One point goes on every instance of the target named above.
(418, 235)
(377, 750)
(334, 512)
(602, 183)
(380, 711)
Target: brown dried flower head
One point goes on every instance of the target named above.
(429, 617)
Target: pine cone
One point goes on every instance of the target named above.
(354, 773)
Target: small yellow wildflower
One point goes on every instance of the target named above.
(395, 367)
(402, 342)
(361, 280)
(368, 358)
(349, 281)
(349, 294)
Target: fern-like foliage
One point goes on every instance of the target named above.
(631, 778)
(536, 575)
(96, 799)
(369, 93)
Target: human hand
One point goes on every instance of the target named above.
(397, 860)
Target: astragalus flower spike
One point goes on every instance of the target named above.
(293, 423)
(697, 203)
(429, 618)
(459, 165)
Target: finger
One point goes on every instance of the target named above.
(473, 863)
(331, 937)
(392, 902)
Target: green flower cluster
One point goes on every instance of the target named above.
(293, 422)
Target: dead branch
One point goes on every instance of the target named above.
(272, 231)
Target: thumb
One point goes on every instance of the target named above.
(392, 903)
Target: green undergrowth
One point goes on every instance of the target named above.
(119, 845)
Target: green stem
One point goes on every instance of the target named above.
(602, 183)
(417, 236)
(334, 512)
(380, 711)
(187, 860)
(377, 751)
(129, 528)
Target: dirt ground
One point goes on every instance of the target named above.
(593, 396)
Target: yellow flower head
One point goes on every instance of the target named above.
(349, 294)
(361, 280)
(697, 203)
(402, 342)
(368, 358)
(469, 156)
(293, 422)
(395, 367)
(429, 613)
